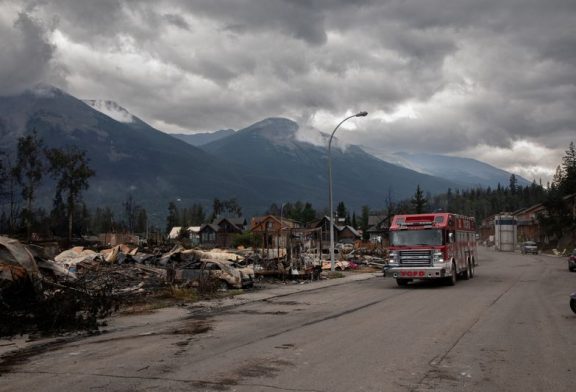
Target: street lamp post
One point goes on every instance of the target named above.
(332, 263)
(281, 211)
(280, 231)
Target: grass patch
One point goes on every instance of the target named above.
(334, 275)
(145, 307)
(183, 293)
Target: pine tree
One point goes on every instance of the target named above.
(419, 201)
(568, 182)
(28, 174)
(69, 167)
(172, 219)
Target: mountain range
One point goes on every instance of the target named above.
(466, 172)
(202, 138)
(271, 154)
(128, 157)
(267, 162)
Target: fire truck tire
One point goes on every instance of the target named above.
(471, 269)
(573, 304)
(402, 282)
(451, 280)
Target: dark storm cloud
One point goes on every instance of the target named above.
(302, 19)
(84, 20)
(177, 20)
(25, 54)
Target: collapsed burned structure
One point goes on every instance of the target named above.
(76, 287)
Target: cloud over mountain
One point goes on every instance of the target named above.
(463, 78)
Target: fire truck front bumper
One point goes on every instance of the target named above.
(434, 272)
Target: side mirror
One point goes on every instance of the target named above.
(451, 237)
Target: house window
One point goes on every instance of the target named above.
(208, 237)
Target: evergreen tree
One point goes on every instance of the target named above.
(217, 208)
(273, 210)
(568, 182)
(419, 202)
(341, 211)
(28, 174)
(364, 222)
(70, 169)
(513, 184)
(103, 220)
(308, 214)
(7, 194)
(197, 215)
(131, 210)
(172, 219)
(141, 224)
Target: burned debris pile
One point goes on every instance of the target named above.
(72, 290)
(77, 287)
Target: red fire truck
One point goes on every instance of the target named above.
(432, 246)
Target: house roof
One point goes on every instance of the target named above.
(257, 221)
(320, 222)
(374, 220)
(353, 230)
(377, 229)
(210, 226)
(174, 232)
(535, 207)
(236, 221)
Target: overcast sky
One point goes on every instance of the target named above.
(493, 80)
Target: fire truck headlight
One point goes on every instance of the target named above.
(438, 257)
(393, 258)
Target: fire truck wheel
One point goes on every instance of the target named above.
(402, 282)
(471, 269)
(451, 280)
(467, 274)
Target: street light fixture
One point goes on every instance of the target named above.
(332, 263)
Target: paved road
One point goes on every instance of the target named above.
(508, 329)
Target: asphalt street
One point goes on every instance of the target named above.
(508, 329)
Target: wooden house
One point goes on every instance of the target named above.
(378, 228)
(342, 234)
(527, 224)
(273, 229)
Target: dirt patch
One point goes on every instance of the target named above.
(274, 313)
(285, 346)
(222, 385)
(288, 303)
(255, 369)
(262, 369)
(19, 357)
(193, 327)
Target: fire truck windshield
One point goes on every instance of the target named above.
(416, 237)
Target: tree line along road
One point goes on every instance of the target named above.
(508, 329)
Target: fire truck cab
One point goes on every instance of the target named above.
(431, 246)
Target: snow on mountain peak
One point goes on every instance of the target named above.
(111, 109)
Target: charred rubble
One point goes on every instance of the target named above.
(75, 289)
